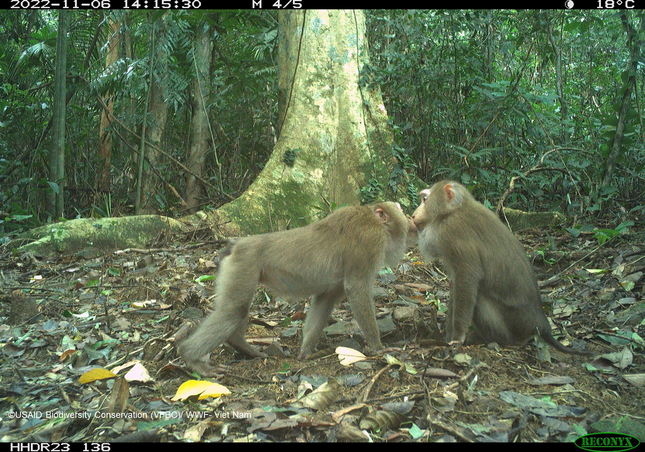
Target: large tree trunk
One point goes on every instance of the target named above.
(334, 134)
(199, 126)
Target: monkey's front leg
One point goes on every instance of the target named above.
(362, 304)
(463, 299)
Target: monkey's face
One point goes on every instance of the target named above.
(412, 233)
(437, 202)
(422, 214)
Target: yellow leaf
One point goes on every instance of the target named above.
(203, 389)
(95, 374)
(214, 390)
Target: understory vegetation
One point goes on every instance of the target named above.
(550, 100)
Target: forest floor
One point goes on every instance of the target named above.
(61, 318)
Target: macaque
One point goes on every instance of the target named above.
(329, 260)
(492, 283)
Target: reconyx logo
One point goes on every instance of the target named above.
(614, 442)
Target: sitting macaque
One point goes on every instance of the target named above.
(331, 259)
(492, 283)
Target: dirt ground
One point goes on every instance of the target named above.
(62, 317)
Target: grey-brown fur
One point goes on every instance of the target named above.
(493, 286)
(329, 260)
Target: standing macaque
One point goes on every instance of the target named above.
(329, 260)
(492, 283)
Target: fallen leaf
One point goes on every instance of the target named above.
(203, 389)
(119, 395)
(382, 419)
(96, 374)
(138, 373)
(348, 356)
(419, 287)
(555, 380)
(322, 397)
(635, 379)
(66, 354)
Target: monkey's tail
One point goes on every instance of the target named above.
(546, 335)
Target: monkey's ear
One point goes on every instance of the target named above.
(380, 215)
(450, 192)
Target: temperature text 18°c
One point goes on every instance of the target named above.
(615, 4)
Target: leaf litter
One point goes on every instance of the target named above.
(88, 355)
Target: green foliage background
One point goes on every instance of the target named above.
(472, 95)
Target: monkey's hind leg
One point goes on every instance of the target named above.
(319, 313)
(237, 341)
(210, 334)
(227, 322)
(492, 322)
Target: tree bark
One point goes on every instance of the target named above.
(199, 126)
(559, 82)
(55, 194)
(105, 138)
(157, 114)
(334, 133)
(634, 42)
